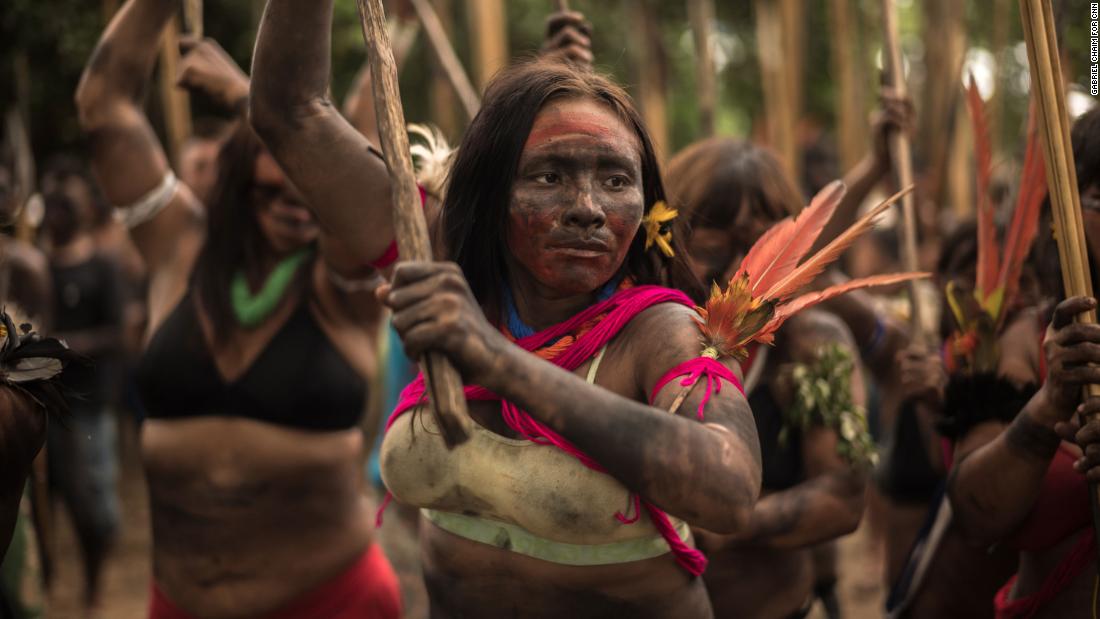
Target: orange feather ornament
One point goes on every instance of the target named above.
(762, 293)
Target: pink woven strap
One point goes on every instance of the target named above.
(692, 370)
(390, 256)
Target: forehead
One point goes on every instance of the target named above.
(571, 122)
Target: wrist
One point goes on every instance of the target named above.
(1033, 435)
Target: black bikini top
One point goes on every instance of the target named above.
(782, 461)
(299, 380)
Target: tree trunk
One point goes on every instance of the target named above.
(779, 106)
(701, 13)
(444, 104)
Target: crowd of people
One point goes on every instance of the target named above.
(243, 307)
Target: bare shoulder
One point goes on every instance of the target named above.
(665, 328)
(805, 332)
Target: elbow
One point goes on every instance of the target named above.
(274, 114)
(91, 102)
(733, 511)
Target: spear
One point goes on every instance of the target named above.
(448, 403)
(1065, 203)
(901, 151)
(448, 60)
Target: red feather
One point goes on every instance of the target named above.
(1025, 219)
(987, 227)
(786, 310)
(815, 265)
(785, 244)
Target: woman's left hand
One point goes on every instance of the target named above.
(434, 310)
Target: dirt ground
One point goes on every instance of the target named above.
(127, 576)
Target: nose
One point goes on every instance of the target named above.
(585, 213)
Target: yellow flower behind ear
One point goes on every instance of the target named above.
(655, 229)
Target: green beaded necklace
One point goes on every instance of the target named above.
(252, 310)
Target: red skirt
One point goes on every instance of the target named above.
(367, 589)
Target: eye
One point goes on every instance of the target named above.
(618, 181)
(547, 178)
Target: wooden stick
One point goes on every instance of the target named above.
(444, 384)
(901, 152)
(448, 60)
(1065, 203)
(563, 5)
(701, 14)
(192, 14)
(175, 103)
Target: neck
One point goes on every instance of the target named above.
(539, 307)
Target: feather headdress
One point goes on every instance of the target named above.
(764, 292)
(980, 316)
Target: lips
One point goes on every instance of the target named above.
(582, 248)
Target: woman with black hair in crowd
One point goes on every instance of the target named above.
(260, 345)
(576, 499)
(731, 192)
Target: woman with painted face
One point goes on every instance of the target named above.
(731, 192)
(574, 493)
(262, 322)
(1022, 482)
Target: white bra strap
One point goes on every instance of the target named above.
(591, 379)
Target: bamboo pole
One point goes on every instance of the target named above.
(448, 60)
(902, 154)
(489, 36)
(779, 109)
(1065, 203)
(851, 114)
(174, 101)
(701, 14)
(192, 15)
(447, 400)
(649, 62)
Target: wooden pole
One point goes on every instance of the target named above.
(563, 5)
(903, 165)
(192, 14)
(489, 36)
(448, 60)
(701, 14)
(1065, 203)
(444, 384)
(174, 101)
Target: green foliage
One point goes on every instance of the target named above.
(823, 397)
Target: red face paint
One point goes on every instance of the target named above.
(577, 199)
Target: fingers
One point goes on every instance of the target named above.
(1068, 430)
(1070, 308)
(568, 19)
(407, 273)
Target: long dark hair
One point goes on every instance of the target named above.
(234, 241)
(475, 210)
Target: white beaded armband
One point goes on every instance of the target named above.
(150, 204)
